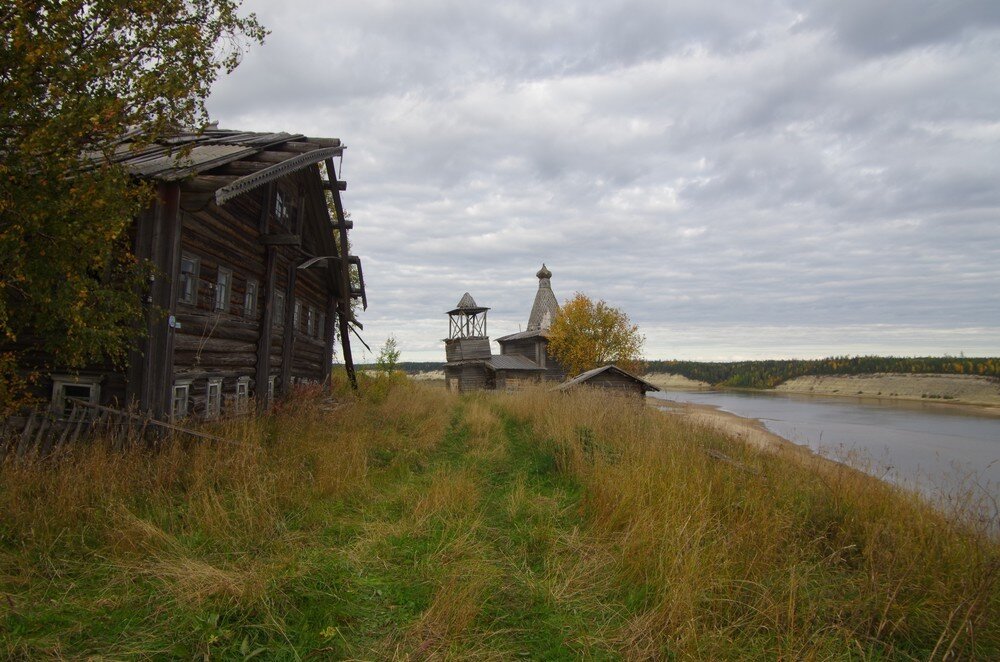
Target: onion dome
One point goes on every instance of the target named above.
(544, 272)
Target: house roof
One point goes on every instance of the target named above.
(522, 335)
(584, 377)
(513, 362)
(261, 157)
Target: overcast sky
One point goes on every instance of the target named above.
(746, 178)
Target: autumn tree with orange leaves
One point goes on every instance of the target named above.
(587, 334)
(76, 76)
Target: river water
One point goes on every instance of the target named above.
(921, 445)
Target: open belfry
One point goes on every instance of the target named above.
(523, 357)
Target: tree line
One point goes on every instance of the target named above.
(770, 373)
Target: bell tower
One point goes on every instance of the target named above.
(467, 346)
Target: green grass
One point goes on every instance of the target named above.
(414, 524)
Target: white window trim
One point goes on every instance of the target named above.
(184, 384)
(59, 382)
(223, 294)
(250, 301)
(242, 397)
(297, 315)
(310, 320)
(193, 299)
(213, 409)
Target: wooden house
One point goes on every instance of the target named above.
(253, 281)
(610, 378)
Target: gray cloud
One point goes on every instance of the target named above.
(744, 165)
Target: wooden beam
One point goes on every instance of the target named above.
(158, 368)
(203, 183)
(339, 184)
(263, 368)
(281, 240)
(344, 314)
(240, 168)
(288, 339)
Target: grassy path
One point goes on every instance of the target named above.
(470, 555)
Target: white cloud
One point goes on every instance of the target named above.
(720, 166)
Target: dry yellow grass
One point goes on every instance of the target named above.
(410, 523)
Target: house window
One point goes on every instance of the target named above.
(281, 208)
(279, 309)
(213, 401)
(67, 387)
(223, 286)
(270, 389)
(189, 279)
(297, 316)
(179, 400)
(242, 394)
(310, 317)
(321, 326)
(250, 299)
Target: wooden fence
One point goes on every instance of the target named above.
(43, 432)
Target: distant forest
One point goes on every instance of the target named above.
(768, 374)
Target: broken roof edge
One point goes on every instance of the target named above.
(271, 173)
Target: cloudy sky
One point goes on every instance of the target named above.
(745, 178)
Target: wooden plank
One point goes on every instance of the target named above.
(281, 240)
(336, 185)
(22, 446)
(344, 314)
(288, 339)
(264, 345)
(266, 206)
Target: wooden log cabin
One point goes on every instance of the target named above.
(253, 281)
(612, 379)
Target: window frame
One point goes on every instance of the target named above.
(242, 397)
(297, 315)
(213, 408)
(223, 294)
(178, 385)
(189, 277)
(61, 381)
(250, 296)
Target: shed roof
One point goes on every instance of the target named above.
(513, 362)
(584, 377)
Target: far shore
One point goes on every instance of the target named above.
(969, 392)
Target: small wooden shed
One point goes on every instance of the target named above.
(611, 378)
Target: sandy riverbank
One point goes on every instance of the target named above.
(952, 389)
(749, 430)
(669, 381)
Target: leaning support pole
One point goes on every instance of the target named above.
(344, 305)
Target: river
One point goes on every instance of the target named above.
(921, 445)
